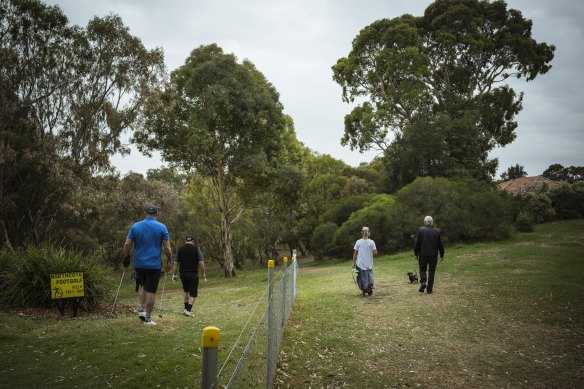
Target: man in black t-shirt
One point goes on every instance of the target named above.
(190, 258)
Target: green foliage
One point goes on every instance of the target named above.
(464, 210)
(568, 200)
(25, 281)
(430, 99)
(524, 222)
(513, 172)
(376, 215)
(491, 217)
(322, 242)
(68, 93)
(341, 211)
(325, 185)
(223, 119)
(558, 172)
(541, 207)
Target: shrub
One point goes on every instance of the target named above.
(492, 215)
(375, 215)
(322, 241)
(27, 284)
(568, 200)
(343, 209)
(524, 222)
(540, 206)
(464, 210)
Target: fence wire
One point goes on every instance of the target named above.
(256, 366)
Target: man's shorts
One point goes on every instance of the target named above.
(190, 282)
(148, 278)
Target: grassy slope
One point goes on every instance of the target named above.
(506, 314)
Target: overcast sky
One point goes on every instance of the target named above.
(294, 44)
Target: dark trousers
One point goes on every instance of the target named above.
(426, 262)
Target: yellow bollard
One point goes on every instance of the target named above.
(211, 337)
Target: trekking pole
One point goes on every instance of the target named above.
(116, 299)
(162, 297)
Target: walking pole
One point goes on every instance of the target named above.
(162, 297)
(116, 299)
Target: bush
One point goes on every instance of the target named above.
(322, 239)
(375, 215)
(524, 222)
(568, 200)
(492, 215)
(464, 210)
(541, 207)
(26, 282)
(343, 209)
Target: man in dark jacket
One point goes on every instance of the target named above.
(428, 245)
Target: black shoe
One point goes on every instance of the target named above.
(369, 292)
(422, 288)
(429, 291)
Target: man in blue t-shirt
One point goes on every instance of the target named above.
(147, 237)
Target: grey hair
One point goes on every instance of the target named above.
(365, 231)
(428, 221)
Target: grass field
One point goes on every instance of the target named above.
(504, 314)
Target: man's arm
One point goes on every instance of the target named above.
(355, 257)
(168, 252)
(128, 245)
(201, 262)
(440, 246)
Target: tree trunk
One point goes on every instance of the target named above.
(229, 268)
(4, 239)
(225, 226)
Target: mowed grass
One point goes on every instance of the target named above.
(503, 314)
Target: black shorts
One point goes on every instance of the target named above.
(148, 278)
(190, 282)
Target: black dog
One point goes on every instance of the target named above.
(413, 278)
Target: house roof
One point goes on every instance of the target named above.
(533, 184)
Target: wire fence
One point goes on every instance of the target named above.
(256, 366)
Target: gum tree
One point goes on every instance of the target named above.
(67, 94)
(223, 120)
(433, 90)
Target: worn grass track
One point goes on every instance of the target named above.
(506, 314)
(503, 314)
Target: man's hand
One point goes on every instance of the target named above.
(174, 277)
(126, 261)
(441, 259)
(168, 264)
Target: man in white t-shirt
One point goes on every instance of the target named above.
(363, 261)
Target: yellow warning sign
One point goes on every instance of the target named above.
(67, 285)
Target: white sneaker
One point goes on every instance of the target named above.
(149, 323)
(188, 313)
(142, 316)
